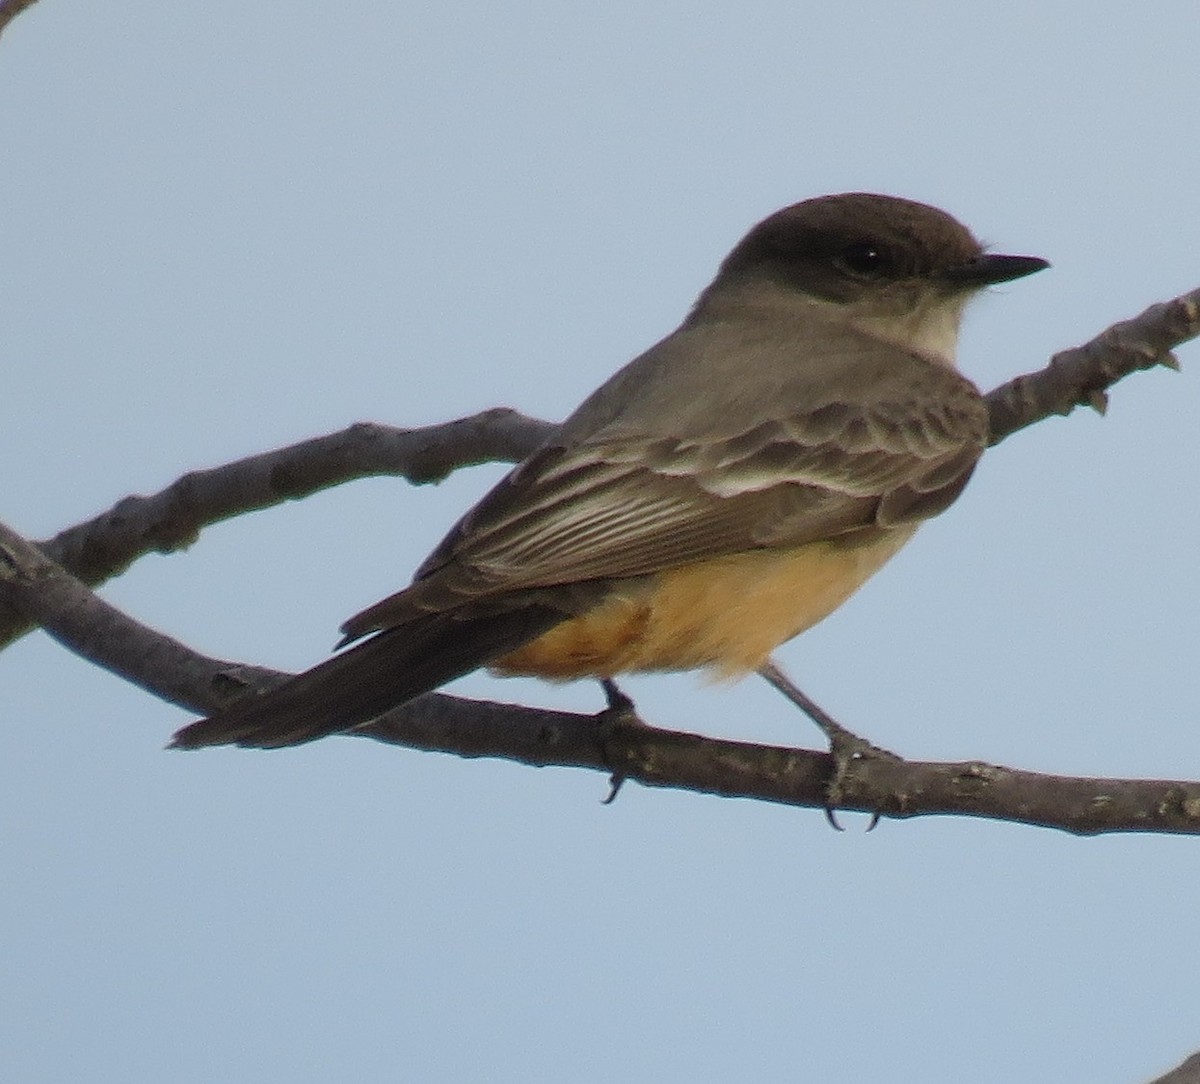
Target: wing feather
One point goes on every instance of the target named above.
(611, 508)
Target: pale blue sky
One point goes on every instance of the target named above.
(229, 226)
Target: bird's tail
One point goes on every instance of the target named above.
(389, 669)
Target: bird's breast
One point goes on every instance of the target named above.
(728, 613)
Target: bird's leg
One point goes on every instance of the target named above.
(845, 746)
(618, 702)
(830, 727)
(620, 710)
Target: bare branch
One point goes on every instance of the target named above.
(44, 593)
(1082, 376)
(171, 520)
(1188, 1072)
(10, 9)
(36, 589)
(894, 788)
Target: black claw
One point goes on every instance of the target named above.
(615, 782)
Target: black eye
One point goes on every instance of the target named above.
(864, 259)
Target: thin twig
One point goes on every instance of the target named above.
(171, 520)
(1082, 375)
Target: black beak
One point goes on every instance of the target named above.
(989, 269)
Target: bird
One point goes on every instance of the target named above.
(722, 493)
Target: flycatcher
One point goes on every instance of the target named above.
(722, 493)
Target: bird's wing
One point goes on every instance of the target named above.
(610, 508)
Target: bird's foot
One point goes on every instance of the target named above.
(620, 712)
(845, 747)
(846, 750)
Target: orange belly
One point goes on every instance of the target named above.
(728, 613)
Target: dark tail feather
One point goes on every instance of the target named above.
(388, 670)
